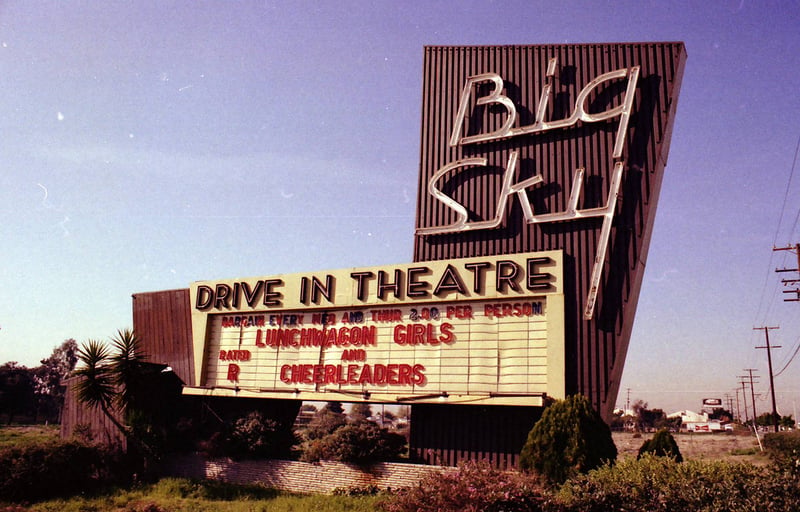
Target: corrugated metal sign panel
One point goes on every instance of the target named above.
(163, 322)
(580, 79)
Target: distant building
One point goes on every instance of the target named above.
(697, 422)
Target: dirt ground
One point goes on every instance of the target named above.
(699, 446)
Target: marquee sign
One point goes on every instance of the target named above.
(475, 330)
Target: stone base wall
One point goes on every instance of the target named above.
(301, 477)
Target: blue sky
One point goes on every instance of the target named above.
(146, 145)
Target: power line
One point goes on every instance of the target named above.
(786, 196)
(763, 303)
(796, 350)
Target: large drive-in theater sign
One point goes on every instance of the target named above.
(476, 330)
(540, 170)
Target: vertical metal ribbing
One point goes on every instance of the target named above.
(556, 155)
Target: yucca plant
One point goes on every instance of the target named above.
(111, 380)
(127, 364)
(96, 386)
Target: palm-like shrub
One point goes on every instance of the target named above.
(96, 383)
(113, 381)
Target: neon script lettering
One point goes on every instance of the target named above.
(508, 188)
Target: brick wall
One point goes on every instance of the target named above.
(300, 477)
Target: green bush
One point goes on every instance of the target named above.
(256, 435)
(662, 445)
(783, 448)
(57, 468)
(570, 438)
(324, 423)
(661, 484)
(474, 486)
(361, 442)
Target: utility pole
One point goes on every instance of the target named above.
(771, 378)
(738, 410)
(744, 398)
(752, 395)
(796, 291)
(729, 401)
(628, 402)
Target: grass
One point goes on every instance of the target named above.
(179, 494)
(22, 435)
(744, 451)
(722, 447)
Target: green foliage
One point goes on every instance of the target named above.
(672, 424)
(570, 438)
(49, 376)
(767, 419)
(661, 484)
(662, 445)
(334, 407)
(473, 487)
(207, 490)
(127, 367)
(720, 413)
(183, 495)
(16, 436)
(136, 396)
(324, 423)
(361, 442)
(363, 490)
(256, 435)
(16, 390)
(95, 386)
(55, 468)
(360, 412)
(783, 449)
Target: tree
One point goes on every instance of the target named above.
(360, 411)
(647, 419)
(49, 376)
(569, 438)
(767, 419)
(719, 413)
(16, 390)
(334, 407)
(324, 422)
